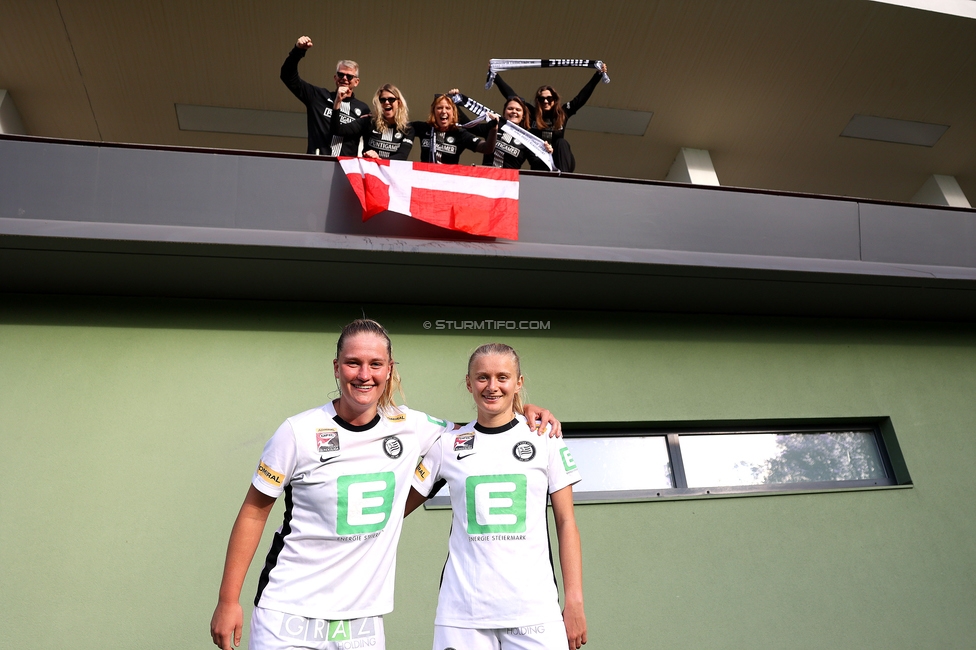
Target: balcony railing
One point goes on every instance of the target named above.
(589, 242)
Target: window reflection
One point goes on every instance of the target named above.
(624, 463)
(762, 458)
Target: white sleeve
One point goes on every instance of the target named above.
(278, 461)
(428, 469)
(562, 467)
(430, 429)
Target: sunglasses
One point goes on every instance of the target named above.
(388, 100)
(345, 75)
(548, 99)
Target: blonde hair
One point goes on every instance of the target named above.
(501, 348)
(400, 117)
(393, 384)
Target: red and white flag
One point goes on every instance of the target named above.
(476, 200)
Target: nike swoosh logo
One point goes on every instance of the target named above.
(324, 460)
(460, 457)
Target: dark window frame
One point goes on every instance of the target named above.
(896, 471)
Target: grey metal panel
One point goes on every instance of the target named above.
(86, 183)
(681, 217)
(233, 198)
(166, 187)
(47, 181)
(457, 252)
(283, 194)
(909, 235)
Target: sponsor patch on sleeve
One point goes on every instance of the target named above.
(568, 463)
(422, 472)
(402, 417)
(270, 476)
(441, 423)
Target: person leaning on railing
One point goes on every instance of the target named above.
(386, 133)
(442, 136)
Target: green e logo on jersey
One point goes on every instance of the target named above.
(496, 504)
(568, 463)
(365, 502)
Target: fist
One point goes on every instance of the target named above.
(303, 42)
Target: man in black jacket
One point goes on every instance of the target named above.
(318, 103)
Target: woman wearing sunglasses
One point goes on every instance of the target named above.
(549, 116)
(386, 132)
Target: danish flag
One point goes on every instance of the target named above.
(476, 200)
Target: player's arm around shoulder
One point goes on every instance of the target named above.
(426, 473)
(421, 420)
(542, 421)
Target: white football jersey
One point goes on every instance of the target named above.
(345, 487)
(499, 568)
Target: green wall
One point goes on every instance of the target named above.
(130, 429)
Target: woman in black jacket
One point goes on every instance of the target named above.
(549, 115)
(443, 139)
(387, 132)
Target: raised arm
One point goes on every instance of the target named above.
(571, 566)
(576, 103)
(228, 617)
(507, 91)
(289, 70)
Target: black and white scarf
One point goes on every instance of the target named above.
(535, 145)
(497, 65)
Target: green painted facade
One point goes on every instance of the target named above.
(130, 429)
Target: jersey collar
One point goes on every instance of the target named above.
(492, 430)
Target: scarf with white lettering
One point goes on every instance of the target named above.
(535, 145)
(497, 65)
(434, 158)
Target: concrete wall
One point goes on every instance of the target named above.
(130, 428)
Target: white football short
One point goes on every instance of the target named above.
(271, 630)
(542, 636)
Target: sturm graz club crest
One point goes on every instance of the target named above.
(524, 451)
(392, 447)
